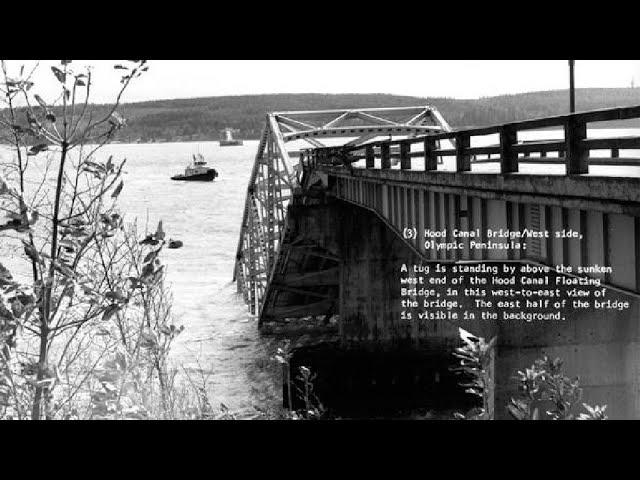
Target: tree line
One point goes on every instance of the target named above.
(201, 119)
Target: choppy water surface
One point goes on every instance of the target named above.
(220, 337)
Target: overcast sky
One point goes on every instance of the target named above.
(424, 78)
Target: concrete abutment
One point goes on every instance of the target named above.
(384, 358)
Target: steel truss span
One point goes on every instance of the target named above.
(276, 175)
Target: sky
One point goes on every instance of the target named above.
(423, 78)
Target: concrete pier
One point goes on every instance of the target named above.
(601, 347)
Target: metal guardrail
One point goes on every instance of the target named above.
(574, 148)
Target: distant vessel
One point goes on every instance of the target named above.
(226, 138)
(197, 171)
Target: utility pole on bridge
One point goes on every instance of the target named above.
(572, 87)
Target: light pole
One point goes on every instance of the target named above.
(572, 87)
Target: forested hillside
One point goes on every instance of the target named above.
(202, 118)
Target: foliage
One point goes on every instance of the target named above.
(548, 394)
(142, 329)
(313, 408)
(475, 357)
(93, 323)
(304, 386)
(283, 357)
(543, 386)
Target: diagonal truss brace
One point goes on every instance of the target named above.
(273, 179)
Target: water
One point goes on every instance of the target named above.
(220, 336)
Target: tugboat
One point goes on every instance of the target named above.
(197, 171)
(226, 138)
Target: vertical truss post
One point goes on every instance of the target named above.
(270, 204)
(251, 244)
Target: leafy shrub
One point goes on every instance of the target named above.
(546, 393)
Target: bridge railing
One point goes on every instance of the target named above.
(573, 150)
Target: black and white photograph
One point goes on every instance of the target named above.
(325, 240)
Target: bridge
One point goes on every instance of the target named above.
(323, 237)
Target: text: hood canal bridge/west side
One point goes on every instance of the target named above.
(323, 239)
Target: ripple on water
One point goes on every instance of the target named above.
(219, 335)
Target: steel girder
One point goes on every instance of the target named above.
(273, 177)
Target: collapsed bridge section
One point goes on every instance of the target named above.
(283, 277)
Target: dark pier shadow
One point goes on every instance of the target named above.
(365, 383)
